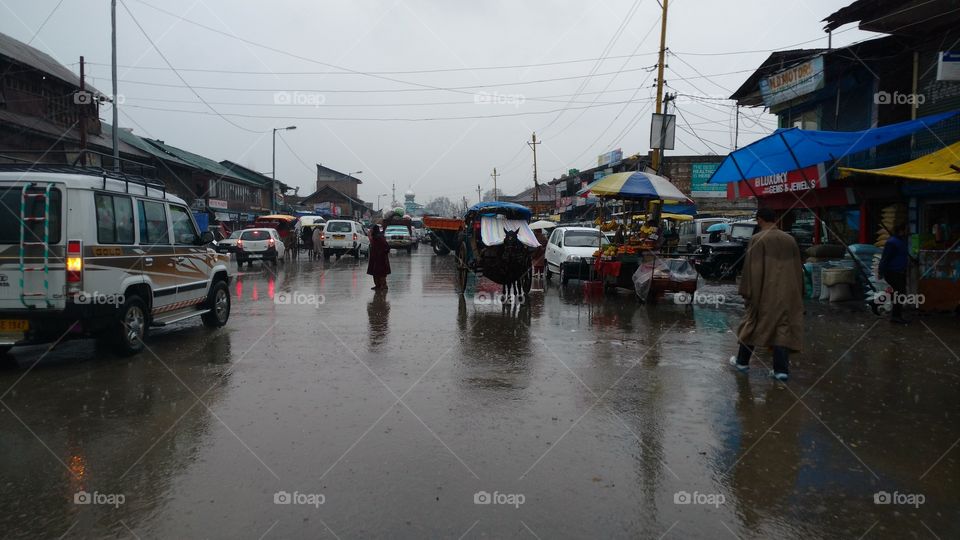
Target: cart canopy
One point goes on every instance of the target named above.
(508, 209)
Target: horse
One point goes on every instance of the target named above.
(515, 258)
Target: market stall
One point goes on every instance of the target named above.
(637, 239)
(931, 185)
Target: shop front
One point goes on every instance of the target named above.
(930, 186)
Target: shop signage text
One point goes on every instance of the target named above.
(813, 177)
(793, 82)
(948, 66)
(217, 203)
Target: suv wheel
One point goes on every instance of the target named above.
(130, 327)
(218, 302)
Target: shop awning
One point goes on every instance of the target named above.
(940, 166)
(790, 149)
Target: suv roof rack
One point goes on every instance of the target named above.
(78, 167)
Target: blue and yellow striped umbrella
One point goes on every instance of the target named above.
(635, 186)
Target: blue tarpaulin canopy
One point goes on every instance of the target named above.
(791, 149)
(500, 207)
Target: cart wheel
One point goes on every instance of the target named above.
(462, 268)
(526, 282)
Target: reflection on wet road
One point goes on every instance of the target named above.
(323, 409)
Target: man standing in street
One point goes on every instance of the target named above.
(893, 270)
(772, 290)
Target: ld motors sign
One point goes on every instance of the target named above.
(793, 82)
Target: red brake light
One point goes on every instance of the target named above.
(354, 237)
(270, 242)
(74, 261)
(239, 244)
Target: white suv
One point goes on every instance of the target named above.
(92, 253)
(341, 236)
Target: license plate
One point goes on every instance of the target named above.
(10, 326)
(338, 237)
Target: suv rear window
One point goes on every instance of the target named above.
(10, 216)
(255, 235)
(339, 227)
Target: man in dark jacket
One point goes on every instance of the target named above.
(893, 269)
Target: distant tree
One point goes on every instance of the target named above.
(493, 195)
(441, 206)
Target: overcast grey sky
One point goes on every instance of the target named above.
(261, 65)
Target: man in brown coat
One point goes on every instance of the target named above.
(772, 289)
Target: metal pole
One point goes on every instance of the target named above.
(83, 116)
(116, 128)
(495, 175)
(655, 162)
(273, 175)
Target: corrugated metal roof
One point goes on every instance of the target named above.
(200, 162)
(41, 61)
(141, 144)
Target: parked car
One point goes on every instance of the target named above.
(229, 244)
(694, 233)
(104, 255)
(724, 259)
(341, 236)
(398, 237)
(570, 252)
(259, 244)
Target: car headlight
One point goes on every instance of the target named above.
(572, 258)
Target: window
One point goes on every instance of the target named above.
(153, 223)
(339, 227)
(114, 219)
(10, 220)
(584, 239)
(183, 230)
(256, 234)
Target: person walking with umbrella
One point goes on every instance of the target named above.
(772, 290)
(378, 262)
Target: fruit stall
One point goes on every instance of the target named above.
(632, 259)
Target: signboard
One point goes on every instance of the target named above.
(608, 158)
(813, 177)
(217, 203)
(663, 131)
(793, 82)
(700, 173)
(948, 66)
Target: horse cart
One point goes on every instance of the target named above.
(496, 242)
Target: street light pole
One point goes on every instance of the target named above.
(378, 200)
(273, 170)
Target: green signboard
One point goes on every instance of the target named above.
(699, 175)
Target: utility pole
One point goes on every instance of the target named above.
(663, 49)
(113, 52)
(736, 127)
(495, 175)
(83, 117)
(533, 144)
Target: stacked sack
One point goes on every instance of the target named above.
(890, 218)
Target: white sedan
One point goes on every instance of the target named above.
(570, 252)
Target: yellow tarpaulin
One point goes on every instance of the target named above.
(941, 166)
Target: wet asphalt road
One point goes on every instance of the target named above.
(579, 416)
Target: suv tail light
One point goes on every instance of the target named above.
(240, 244)
(270, 242)
(354, 237)
(74, 265)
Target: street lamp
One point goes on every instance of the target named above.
(378, 200)
(273, 172)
